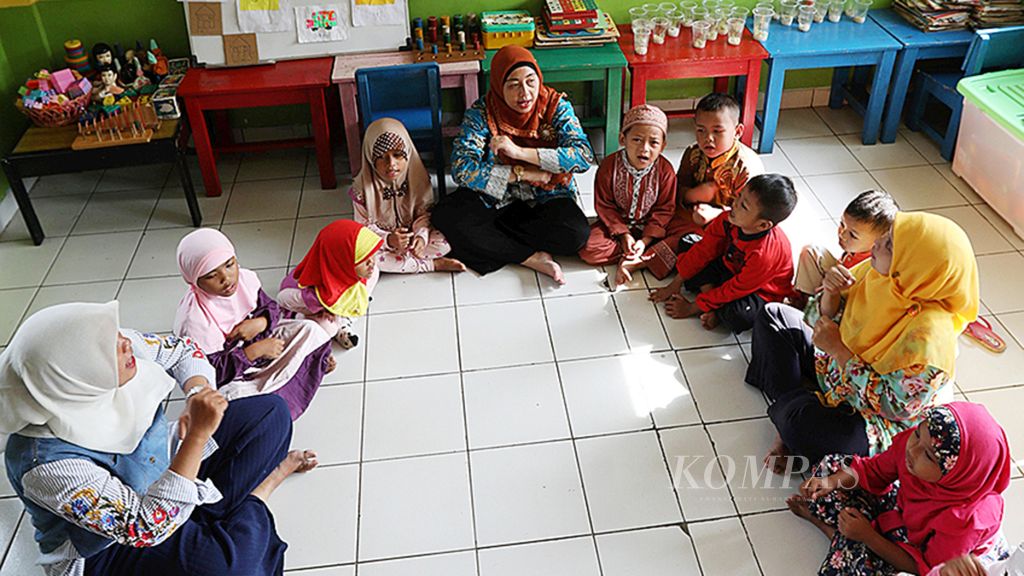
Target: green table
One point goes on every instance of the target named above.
(602, 65)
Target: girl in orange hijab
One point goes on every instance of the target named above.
(513, 161)
(332, 284)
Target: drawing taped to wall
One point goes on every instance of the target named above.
(320, 23)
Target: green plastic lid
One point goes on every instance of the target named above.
(507, 21)
(1000, 95)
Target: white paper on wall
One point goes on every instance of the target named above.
(264, 16)
(378, 12)
(320, 23)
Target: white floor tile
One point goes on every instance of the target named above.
(696, 474)
(5, 485)
(877, 156)
(22, 554)
(331, 425)
(264, 200)
(319, 202)
(349, 570)
(575, 556)
(13, 304)
(157, 253)
(977, 368)
(959, 183)
(580, 278)
(93, 258)
(802, 233)
(1004, 228)
(57, 215)
(836, 191)
(351, 364)
(411, 343)
(924, 145)
(306, 230)
(808, 208)
(269, 165)
(10, 514)
(261, 244)
(527, 493)
(415, 506)
(585, 326)
(772, 535)
(918, 188)
(723, 548)
(801, 123)
(64, 184)
(777, 163)
(271, 278)
(400, 292)
(503, 334)
(637, 283)
(1014, 324)
(1013, 516)
(510, 283)
(135, 178)
(841, 120)
(51, 295)
(138, 298)
(716, 377)
(307, 503)
(687, 332)
(655, 552)
(413, 416)
(1000, 276)
(456, 564)
(824, 155)
(1004, 405)
(514, 405)
(627, 483)
(25, 265)
(172, 210)
(985, 239)
(745, 444)
(644, 331)
(117, 212)
(585, 181)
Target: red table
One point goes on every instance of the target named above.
(676, 58)
(287, 82)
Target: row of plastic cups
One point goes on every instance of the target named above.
(806, 11)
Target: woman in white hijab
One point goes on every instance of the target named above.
(110, 486)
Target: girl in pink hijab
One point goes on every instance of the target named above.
(933, 496)
(225, 311)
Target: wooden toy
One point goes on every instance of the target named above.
(445, 39)
(130, 124)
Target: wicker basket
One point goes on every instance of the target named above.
(54, 117)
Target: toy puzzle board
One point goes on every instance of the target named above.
(210, 22)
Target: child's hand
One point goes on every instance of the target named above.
(817, 487)
(827, 338)
(266, 348)
(837, 279)
(203, 413)
(626, 242)
(418, 247)
(963, 566)
(637, 249)
(855, 525)
(665, 292)
(247, 329)
(679, 307)
(399, 240)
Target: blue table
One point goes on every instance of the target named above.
(917, 45)
(837, 45)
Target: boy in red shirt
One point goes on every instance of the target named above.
(743, 261)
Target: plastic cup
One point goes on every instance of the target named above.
(787, 12)
(740, 12)
(674, 21)
(697, 14)
(700, 31)
(713, 30)
(804, 17)
(686, 12)
(860, 11)
(736, 31)
(711, 5)
(637, 13)
(641, 36)
(820, 10)
(660, 29)
(651, 9)
(666, 7)
(835, 10)
(727, 5)
(762, 19)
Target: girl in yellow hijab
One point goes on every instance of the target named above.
(878, 343)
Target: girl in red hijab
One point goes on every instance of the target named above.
(934, 495)
(513, 161)
(332, 284)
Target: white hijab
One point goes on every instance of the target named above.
(58, 378)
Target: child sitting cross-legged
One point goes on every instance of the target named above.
(743, 260)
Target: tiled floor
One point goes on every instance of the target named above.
(501, 425)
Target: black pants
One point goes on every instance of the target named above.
(737, 315)
(485, 239)
(782, 366)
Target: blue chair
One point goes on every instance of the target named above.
(994, 48)
(410, 93)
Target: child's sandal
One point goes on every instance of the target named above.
(981, 331)
(346, 340)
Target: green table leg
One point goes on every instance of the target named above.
(613, 103)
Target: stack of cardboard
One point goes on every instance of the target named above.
(935, 15)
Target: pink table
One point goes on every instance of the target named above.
(453, 75)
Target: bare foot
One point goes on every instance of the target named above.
(709, 320)
(777, 456)
(623, 275)
(448, 265)
(543, 262)
(331, 364)
(297, 461)
(798, 505)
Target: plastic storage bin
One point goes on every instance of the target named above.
(508, 28)
(990, 146)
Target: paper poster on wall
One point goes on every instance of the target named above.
(204, 18)
(263, 16)
(320, 23)
(378, 12)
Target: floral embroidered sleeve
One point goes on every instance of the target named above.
(573, 153)
(180, 357)
(90, 497)
(473, 165)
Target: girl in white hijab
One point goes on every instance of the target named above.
(392, 196)
(111, 487)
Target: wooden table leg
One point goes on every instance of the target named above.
(904, 69)
(772, 103)
(722, 84)
(322, 138)
(350, 118)
(839, 76)
(188, 189)
(876, 102)
(28, 213)
(222, 128)
(204, 149)
(750, 93)
(613, 102)
(470, 89)
(638, 88)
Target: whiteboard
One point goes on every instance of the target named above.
(285, 45)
